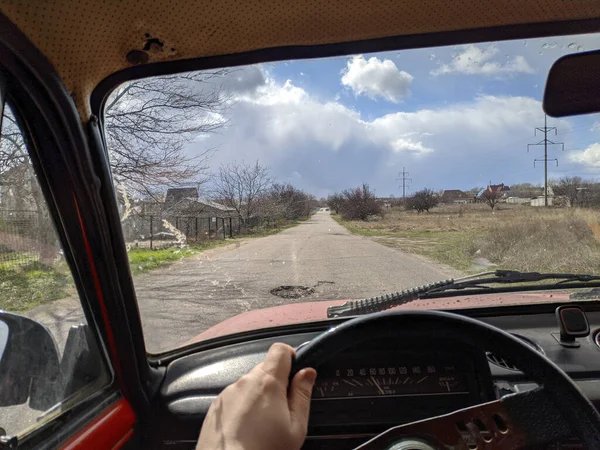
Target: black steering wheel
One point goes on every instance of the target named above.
(557, 409)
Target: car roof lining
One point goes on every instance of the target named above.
(88, 41)
(526, 31)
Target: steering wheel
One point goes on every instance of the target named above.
(557, 409)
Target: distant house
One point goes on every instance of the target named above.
(455, 196)
(386, 202)
(175, 195)
(499, 189)
(186, 202)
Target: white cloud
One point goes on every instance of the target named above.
(589, 157)
(475, 60)
(376, 78)
(334, 146)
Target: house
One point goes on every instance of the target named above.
(521, 197)
(499, 189)
(455, 196)
(187, 202)
(176, 195)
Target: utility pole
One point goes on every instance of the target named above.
(545, 142)
(403, 177)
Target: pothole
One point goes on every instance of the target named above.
(292, 291)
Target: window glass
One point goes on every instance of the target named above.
(44, 369)
(261, 195)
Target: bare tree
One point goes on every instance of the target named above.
(570, 188)
(241, 185)
(423, 200)
(359, 203)
(21, 188)
(148, 122)
(292, 202)
(491, 197)
(335, 202)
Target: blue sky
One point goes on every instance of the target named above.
(456, 117)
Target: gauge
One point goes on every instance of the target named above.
(390, 380)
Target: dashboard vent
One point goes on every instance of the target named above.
(506, 364)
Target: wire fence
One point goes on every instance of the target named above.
(156, 231)
(26, 237)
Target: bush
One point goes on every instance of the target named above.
(335, 202)
(423, 200)
(359, 203)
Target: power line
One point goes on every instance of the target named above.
(405, 180)
(545, 142)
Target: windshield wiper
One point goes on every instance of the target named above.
(387, 301)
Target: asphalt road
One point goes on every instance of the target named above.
(191, 295)
(184, 299)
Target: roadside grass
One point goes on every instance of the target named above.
(511, 237)
(31, 284)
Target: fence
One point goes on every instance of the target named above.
(162, 231)
(26, 237)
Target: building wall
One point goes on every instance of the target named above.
(519, 201)
(540, 201)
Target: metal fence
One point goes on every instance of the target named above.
(26, 237)
(163, 231)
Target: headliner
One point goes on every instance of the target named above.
(88, 40)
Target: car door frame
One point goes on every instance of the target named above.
(78, 197)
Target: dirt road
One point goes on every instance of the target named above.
(180, 301)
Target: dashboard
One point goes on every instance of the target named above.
(364, 390)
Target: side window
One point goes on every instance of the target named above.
(49, 360)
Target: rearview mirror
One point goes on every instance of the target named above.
(572, 85)
(29, 363)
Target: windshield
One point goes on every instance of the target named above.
(301, 184)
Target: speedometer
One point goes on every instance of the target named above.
(401, 378)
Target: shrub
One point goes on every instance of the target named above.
(359, 203)
(423, 200)
(335, 202)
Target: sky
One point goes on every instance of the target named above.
(454, 117)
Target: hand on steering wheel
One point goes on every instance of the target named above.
(258, 412)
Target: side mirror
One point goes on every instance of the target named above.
(572, 85)
(29, 363)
